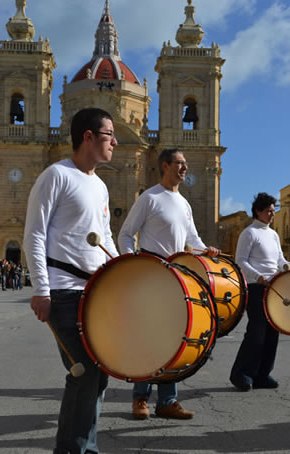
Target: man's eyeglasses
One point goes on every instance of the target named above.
(108, 133)
(180, 163)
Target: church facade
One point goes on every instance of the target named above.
(188, 85)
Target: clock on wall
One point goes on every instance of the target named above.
(15, 175)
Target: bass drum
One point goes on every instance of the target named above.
(226, 283)
(277, 302)
(141, 319)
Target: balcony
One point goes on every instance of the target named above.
(24, 133)
(25, 46)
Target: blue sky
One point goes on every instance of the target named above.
(254, 36)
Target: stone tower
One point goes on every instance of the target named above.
(25, 89)
(189, 105)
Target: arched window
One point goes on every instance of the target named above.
(189, 114)
(13, 252)
(17, 109)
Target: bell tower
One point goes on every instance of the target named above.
(189, 105)
(25, 90)
(25, 80)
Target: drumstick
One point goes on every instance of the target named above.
(189, 248)
(77, 369)
(285, 301)
(95, 240)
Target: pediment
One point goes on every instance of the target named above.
(18, 75)
(191, 81)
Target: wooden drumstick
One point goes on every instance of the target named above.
(77, 369)
(95, 240)
(189, 248)
(285, 301)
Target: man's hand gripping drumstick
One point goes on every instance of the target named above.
(263, 281)
(210, 251)
(95, 240)
(41, 307)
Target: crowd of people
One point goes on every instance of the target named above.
(13, 275)
(69, 200)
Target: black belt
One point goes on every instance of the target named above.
(68, 268)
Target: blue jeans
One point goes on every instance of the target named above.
(167, 392)
(83, 396)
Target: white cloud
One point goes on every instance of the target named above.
(144, 26)
(217, 12)
(70, 24)
(228, 206)
(260, 50)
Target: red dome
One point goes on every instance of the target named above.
(106, 68)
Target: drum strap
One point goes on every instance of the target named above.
(152, 253)
(68, 268)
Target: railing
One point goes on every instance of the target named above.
(152, 137)
(190, 51)
(25, 46)
(194, 136)
(26, 133)
(18, 132)
(55, 135)
(201, 137)
(59, 135)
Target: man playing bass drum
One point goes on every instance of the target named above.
(260, 257)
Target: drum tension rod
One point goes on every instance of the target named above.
(201, 341)
(223, 272)
(202, 302)
(177, 371)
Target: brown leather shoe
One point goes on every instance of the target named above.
(140, 409)
(174, 411)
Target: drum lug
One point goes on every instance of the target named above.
(80, 328)
(225, 272)
(227, 297)
(201, 341)
(177, 371)
(202, 302)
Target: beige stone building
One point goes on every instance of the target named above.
(282, 221)
(230, 227)
(189, 94)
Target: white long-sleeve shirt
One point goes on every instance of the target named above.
(64, 205)
(164, 221)
(259, 252)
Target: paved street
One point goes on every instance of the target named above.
(226, 421)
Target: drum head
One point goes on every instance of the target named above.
(277, 303)
(133, 316)
(226, 282)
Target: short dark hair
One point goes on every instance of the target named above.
(90, 118)
(166, 155)
(261, 202)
